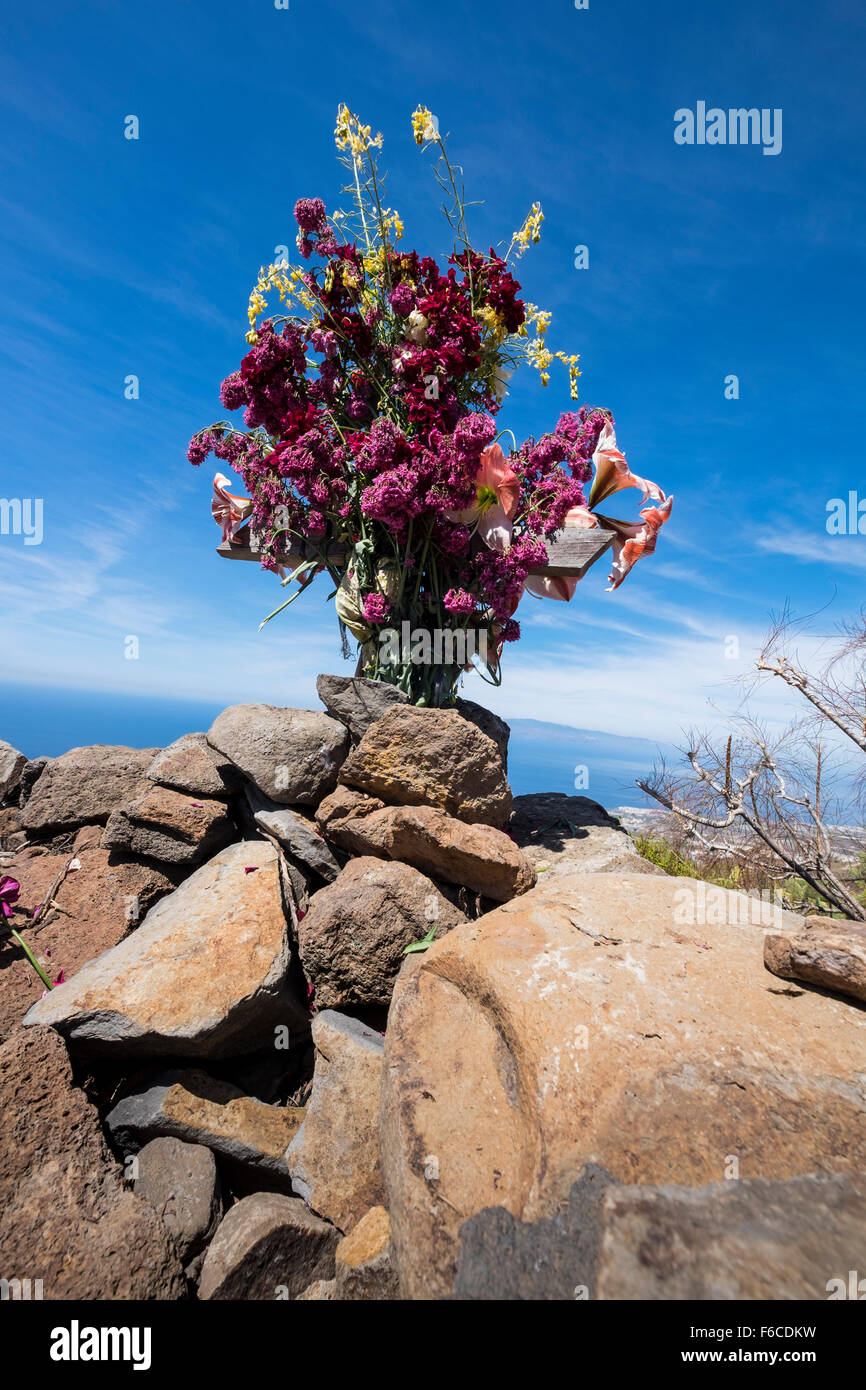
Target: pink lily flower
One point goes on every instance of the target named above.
(634, 539)
(612, 473)
(9, 890)
(559, 586)
(229, 512)
(497, 492)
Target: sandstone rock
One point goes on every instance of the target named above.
(191, 765)
(573, 834)
(321, 1291)
(192, 1106)
(431, 757)
(342, 806)
(489, 724)
(825, 952)
(594, 1020)
(180, 1182)
(98, 905)
(65, 1216)
(501, 1258)
(205, 975)
(268, 1246)
(364, 1272)
(334, 1159)
(352, 939)
(298, 835)
(169, 826)
(752, 1239)
(85, 785)
(12, 764)
(292, 755)
(357, 702)
(477, 857)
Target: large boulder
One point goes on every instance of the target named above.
(334, 1158)
(199, 1109)
(431, 757)
(267, 1247)
(291, 755)
(566, 834)
(205, 975)
(354, 935)
(98, 903)
(824, 952)
(357, 702)
(601, 1018)
(83, 787)
(755, 1239)
(181, 1183)
(476, 857)
(171, 827)
(12, 764)
(191, 765)
(65, 1216)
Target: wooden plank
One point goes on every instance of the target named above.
(570, 554)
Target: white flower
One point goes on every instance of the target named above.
(499, 381)
(417, 326)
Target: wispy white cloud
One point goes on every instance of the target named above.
(810, 547)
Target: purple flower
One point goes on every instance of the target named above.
(402, 300)
(459, 601)
(310, 214)
(9, 890)
(376, 608)
(199, 447)
(233, 392)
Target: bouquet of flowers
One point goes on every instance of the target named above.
(371, 450)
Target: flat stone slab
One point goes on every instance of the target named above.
(334, 1159)
(199, 1109)
(205, 975)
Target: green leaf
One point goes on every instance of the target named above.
(423, 944)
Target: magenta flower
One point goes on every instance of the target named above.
(376, 608)
(9, 891)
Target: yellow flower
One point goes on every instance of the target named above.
(424, 125)
(530, 232)
(351, 135)
(573, 373)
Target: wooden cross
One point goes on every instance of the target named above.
(570, 554)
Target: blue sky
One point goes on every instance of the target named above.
(136, 257)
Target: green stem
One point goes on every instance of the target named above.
(32, 959)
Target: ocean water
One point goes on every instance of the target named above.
(543, 757)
